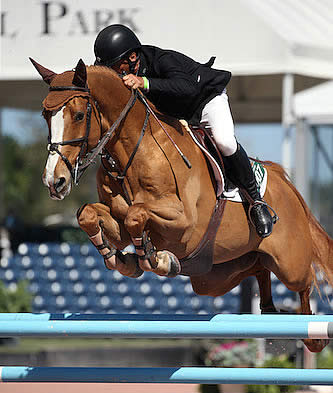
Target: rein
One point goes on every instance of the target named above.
(107, 136)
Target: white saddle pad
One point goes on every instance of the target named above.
(260, 174)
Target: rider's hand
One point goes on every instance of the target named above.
(133, 82)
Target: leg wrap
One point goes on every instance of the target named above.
(111, 251)
(145, 249)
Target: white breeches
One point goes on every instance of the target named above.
(217, 118)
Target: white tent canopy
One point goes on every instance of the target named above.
(315, 105)
(249, 37)
(273, 48)
(259, 41)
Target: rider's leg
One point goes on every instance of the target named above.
(217, 117)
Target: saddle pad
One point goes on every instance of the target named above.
(218, 175)
(233, 195)
(260, 173)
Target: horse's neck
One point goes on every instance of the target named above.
(112, 98)
(110, 94)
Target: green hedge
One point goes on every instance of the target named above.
(18, 300)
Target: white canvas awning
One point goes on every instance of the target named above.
(274, 48)
(249, 37)
(315, 105)
(259, 41)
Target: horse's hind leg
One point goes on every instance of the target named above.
(314, 345)
(108, 237)
(265, 290)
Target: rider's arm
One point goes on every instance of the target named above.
(172, 80)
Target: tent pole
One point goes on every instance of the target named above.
(287, 120)
(302, 158)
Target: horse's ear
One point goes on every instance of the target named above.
(80, 76)
(46, 74)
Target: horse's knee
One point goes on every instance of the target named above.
(136, 219)
(87, 219)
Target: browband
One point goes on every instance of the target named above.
(62, 88)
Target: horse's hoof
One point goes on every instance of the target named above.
(175, 267)
(269, 310)
(315, 345)
(167, 264)
(127, 265)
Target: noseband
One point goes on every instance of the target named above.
(85, 158)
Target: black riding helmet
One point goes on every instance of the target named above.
(114, 43)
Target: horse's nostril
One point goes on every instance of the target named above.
(60, 184)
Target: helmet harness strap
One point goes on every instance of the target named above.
(132, 64)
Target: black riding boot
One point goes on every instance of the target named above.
(238, 170)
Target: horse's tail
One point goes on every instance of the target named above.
(322, 243)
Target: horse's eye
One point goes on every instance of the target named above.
(79, 116)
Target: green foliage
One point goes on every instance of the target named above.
(278, 362)
(74, 235)
(217, 357)
(23, 165)
(18, 300)
(325, 358)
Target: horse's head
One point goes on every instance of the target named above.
(74, 127)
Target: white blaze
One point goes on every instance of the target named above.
(57, 134)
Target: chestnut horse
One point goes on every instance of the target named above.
(149, 197)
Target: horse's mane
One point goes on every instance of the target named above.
(101, 70)
(110, 73)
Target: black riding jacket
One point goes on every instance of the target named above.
(178, 85)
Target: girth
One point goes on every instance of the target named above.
(200, 261)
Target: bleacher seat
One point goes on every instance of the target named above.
(72, 278)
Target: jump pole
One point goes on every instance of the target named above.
(193, 375)
(165, 317)
(166, 329)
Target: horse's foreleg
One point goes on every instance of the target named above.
(108, 237)
(314, 345)
(167, 221)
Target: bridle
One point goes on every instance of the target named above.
(54, 147)
(85, 158)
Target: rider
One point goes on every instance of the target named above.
(180, 87)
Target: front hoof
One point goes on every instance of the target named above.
(127, 265)
(168, 264)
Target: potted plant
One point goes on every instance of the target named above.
(237, 353)
(232, 354)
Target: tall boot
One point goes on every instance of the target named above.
(238, 170)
